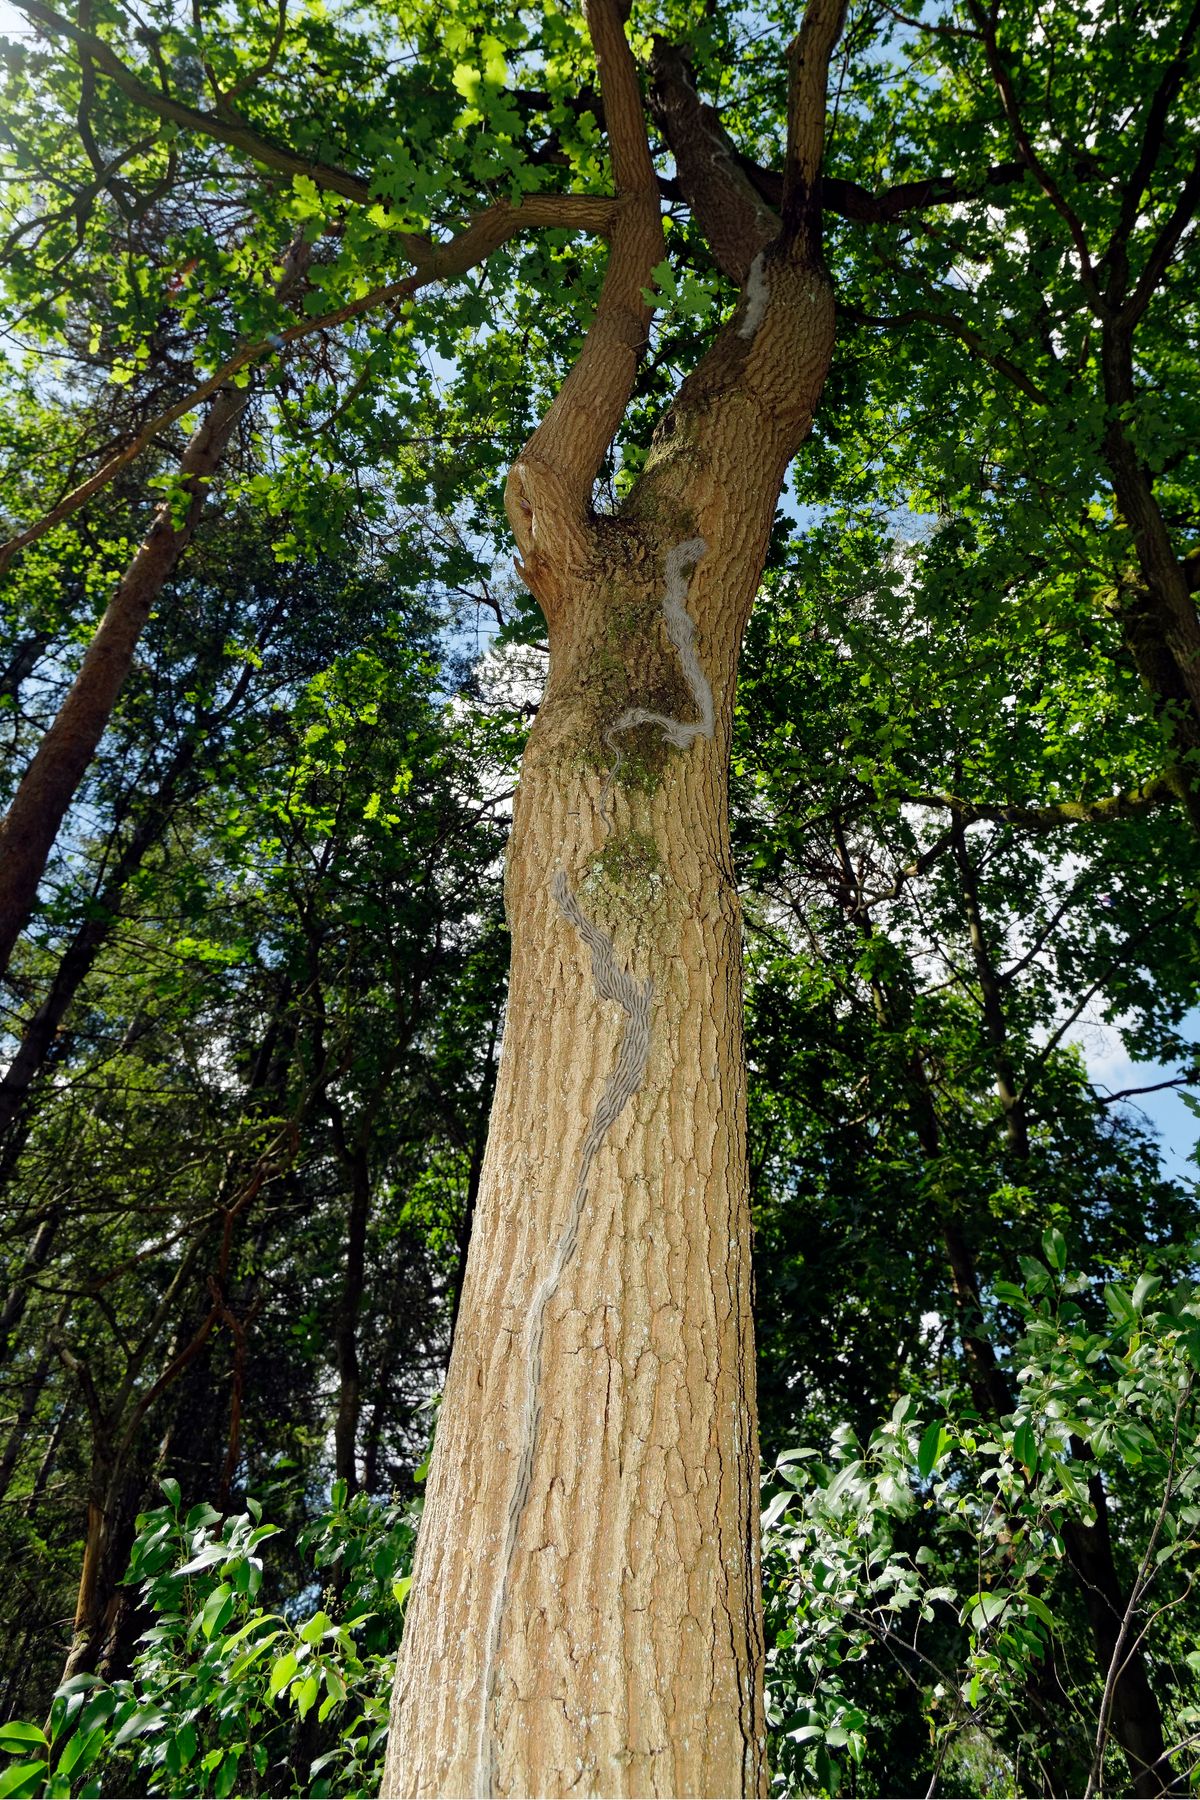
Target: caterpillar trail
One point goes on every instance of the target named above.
(633, 997)
(682, 633)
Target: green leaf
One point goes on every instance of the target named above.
(142, 1723)
(1146, 1285)
(987, 1608)
(218, 1609)
(775, 1509)
(21, 1779)
(81, 1751)
(1025, 1445)
(1040, 1610)
(78, 1684)
(933, 1446)
(305, 1694)
(1054, 1245)
(1120, 1304)
(226, 1777)
(205, 1559)
(20, 1734)
(282, 1671)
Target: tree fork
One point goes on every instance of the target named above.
(585, 1607)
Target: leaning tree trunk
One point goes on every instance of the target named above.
(30, 828)
(585, 1609)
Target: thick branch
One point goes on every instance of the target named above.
(735, 219)
(808, 73)
(549, 489)
(849, 200)
(1160, 791)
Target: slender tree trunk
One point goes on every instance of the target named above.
(31, 1393)
(41, 1033)
(48, 786)
(17, 1298)
(46, 790)
(345, 1424)
(62, 1424)
(78, 960)
(1008, 1092)
(22, 663)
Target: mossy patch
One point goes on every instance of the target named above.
(628, 867)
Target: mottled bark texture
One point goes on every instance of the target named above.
(585, 1611)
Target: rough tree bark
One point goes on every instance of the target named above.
(585, 1612)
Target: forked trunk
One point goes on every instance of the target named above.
(585, 1609)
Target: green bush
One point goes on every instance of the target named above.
(225, 1696)
(917, 1585)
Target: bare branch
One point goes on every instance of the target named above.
(1187, 1079)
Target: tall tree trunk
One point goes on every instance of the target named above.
(586, 1607)
(586, 1611)
(991, 992)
